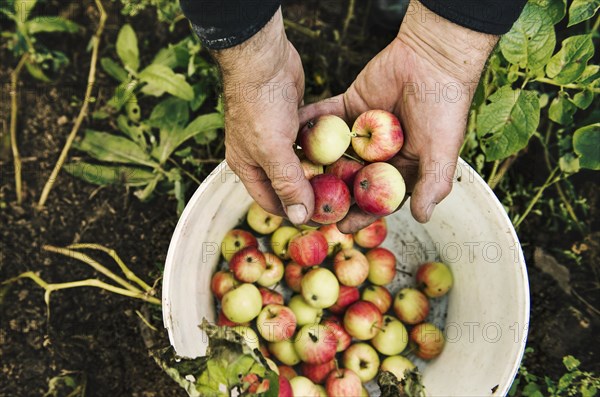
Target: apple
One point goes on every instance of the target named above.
(322, 391)
(293, 276)
(343, 382)
(280, 240)
(273, 270)
(343, 338)
(392, 338)
(382, 266)
(305, 313)
(363, 360)
(324, 139)
(364, 392)
(221, 283)
(411, 306)
(236, 240)
(249, 336)
(429, 340)
(285, 371)
(242, 304)
(336, 240)
(397, 365)
(285, 352)
(262, 221)
(434, 278)
(270, 296)
(223, 321)
(377, 135)
(285, 389)
(363, 320)
(317, 372)
(272, 366)
(351, 267)
(379, 189)
(372, 235)
(276, 323)
(315, 344)
(332, 199)
(248, 264)
(310, 169)
(320, 288)
(346, 297)
(304, 387)
(308, 248)
(345, 169)
(379, 296)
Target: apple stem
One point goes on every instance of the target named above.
(354, 158)
(337, 367)
(404, 272)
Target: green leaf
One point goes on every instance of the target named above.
(556, 9)
(36, 72)
(114, 70)
(200, 94)
(589, 75)
(134, 132)
(127, 48)
(561, 109)
(23, 9)
(49, 24)
(583, 99)
(174, 56)
(146, 193)
(163, 79)
(570, 62)
(586, 143)
(104, 175)
(531, 40)
(111, 148)
(123, 94)
(569, 163)
(505, 125)
(169, 113)
(582, 10)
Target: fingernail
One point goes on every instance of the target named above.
(296, 213)
(430, 211)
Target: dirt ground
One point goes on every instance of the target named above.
(95, 335)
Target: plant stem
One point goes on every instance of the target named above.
(569, 86)
(502, 170)
(14, 110)
(113, 254)
(596, 24)
(189, 174)
(349, 17)
(301, 29)
(493, 173)
(84, 107)
(97, 266)
(549, 181)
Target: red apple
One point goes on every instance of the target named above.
(411, 306)
(280, 240)
(308, 248)
(351, 267)
(293, 276)
(332, 199)
(236, 240)
(273, 271)
(336, 240)
(315, 344)
(221, 283)
(372, 235)
(377, 135)
(345, 169)
(285, 371)
(270, 296)
(382, 266)
(379, 189)
(310, 169)
(276, 323)
(343, 338)
(363, 360)
(248, 264)
(285, 389)
(347, 296)
(343, 382)
(434, 278)
(317, 372)
(429, 340)
(379, 296)
(324, 139)
(363, 320)
(262, 221)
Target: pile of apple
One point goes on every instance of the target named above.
(377, 187)
(325, 321)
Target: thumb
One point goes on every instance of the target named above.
(434, 183)
(333, 105)
(284, 170)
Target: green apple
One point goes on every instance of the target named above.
(281, 239)
(250, 337)
(324, 139)
(242, 304)
(397, 365)
(392, 338)
(305, 313)
(273, 272)
(236, 240)
(262, 221)
(304, 387)
(285, 352)
(363, 360)
(320, 288)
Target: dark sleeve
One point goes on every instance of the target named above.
(225, 23)
(486, 16)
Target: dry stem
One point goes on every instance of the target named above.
(14, 85)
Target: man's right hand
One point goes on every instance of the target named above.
(263, 86)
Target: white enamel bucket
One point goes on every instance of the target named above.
(488, 307)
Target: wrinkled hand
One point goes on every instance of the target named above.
(263, 86)
(427, 77)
